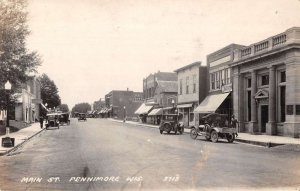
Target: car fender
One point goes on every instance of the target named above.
(216, 129)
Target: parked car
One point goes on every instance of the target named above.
(81, 117)
(52, 120)
(64, 118)
(170, 122)
(215, 126)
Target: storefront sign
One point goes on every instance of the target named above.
(227, 88)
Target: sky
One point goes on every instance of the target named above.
(90, 47)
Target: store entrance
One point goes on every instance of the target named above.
(264, 117)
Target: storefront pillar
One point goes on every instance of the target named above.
(253, 128)
(271, 125)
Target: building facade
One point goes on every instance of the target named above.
(219, 82)
(191, 89)
(267, 85)
(122, 103)
(150, 84)
(27, 107)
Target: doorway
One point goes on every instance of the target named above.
(264, 116)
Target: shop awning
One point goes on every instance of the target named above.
(143, 109)
(211, 103)
(157, 111)
(185, 105)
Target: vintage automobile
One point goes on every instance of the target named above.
(81, 117)
(214, 126)
(64, 118)
(52, 120)
(170, 122)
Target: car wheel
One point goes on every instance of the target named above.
(193, 133)
(214, 136)
(230, 137)
(161, 131)
(167, 127)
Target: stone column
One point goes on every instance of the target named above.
(271, 125)
(253, 124)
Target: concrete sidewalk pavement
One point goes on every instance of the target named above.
(21, 136)
(260, 140)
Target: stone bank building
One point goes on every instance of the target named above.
(266, 85)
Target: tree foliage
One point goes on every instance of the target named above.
(16, 61)
(63, 108)
(49, 92)
(81, 108)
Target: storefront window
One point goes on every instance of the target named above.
(282, 104)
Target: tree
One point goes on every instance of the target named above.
(49, 92)
(63, 108)
(16, 61)
(81, 108)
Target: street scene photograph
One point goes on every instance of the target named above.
(149, 95)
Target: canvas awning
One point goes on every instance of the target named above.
(157, 111)
(185, 105)
(211, 103)
(143, 109)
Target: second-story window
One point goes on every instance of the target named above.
(212, 81)
(265, 80)
(194, 84)
(217, 80)
(180, 87)
(187, 85)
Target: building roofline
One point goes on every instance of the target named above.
(220, 50)
(198, 63)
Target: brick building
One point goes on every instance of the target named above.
(121, 103)
(219, 82)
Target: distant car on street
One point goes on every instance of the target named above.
(81, 117)
(64, 118)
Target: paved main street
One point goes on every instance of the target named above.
(139, 158)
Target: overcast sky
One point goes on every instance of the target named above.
(90, 47)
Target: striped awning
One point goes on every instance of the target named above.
(157, 111)
(143, 109)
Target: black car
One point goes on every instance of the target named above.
(64, 118)
(81, 117)
(170, 122)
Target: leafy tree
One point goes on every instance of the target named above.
(81, 108)
(64, 108)
(49, 92)
(16, 61)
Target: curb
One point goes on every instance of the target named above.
(250, 142)
(20, 144)
(259, 143)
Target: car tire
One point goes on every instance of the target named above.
(161, 131)
(167, 127)
(214, 136)
(194, 133)
(230, 137)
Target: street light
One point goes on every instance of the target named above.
(173, 102)
(7, 87)
(124, 114)
(7, 141)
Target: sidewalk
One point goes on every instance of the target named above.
(21, 136)
(260, 140)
